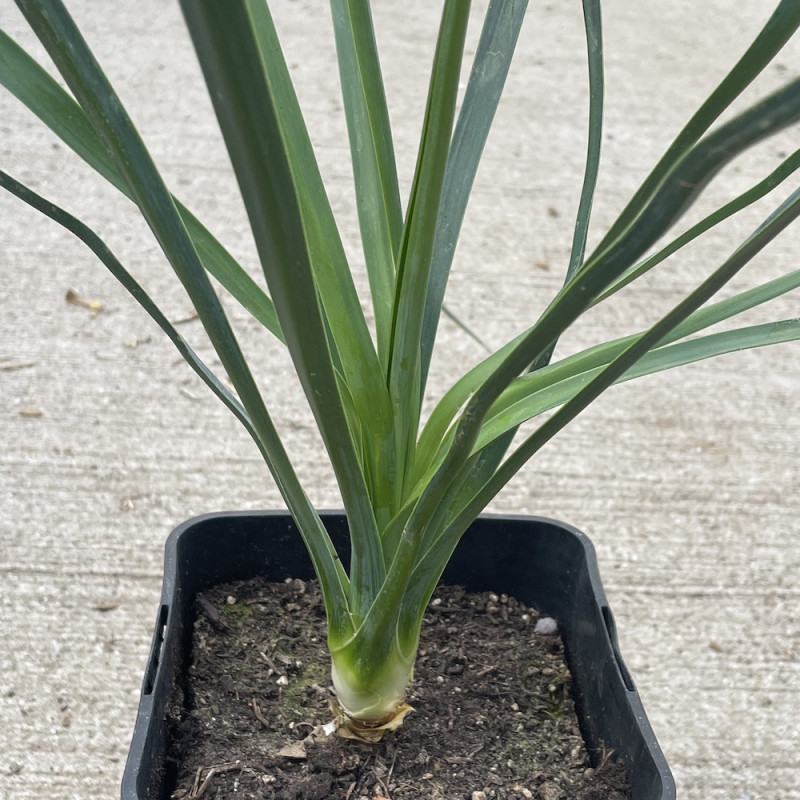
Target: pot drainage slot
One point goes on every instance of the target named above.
(155, 650)
(611, 627)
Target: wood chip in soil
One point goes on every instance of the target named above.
(493, 717)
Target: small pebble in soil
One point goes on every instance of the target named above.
(546, 626)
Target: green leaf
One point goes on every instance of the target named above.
(489, 71)
(779, 28)
(594, 48)
(435, 432)
(372, 154)
(530, 397)
(492, 455)
(788, 167)
(102, 251)
(349, 335)
(453, 475)
(414, 260)
(784, 215)
(697, 167)
(552, 385)
(34, 87)
(286, 206)
(56, 30)
(600, 271)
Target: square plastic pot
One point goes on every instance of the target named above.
(543, 563)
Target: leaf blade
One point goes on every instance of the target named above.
(372, 155)
(777, 31)
(45, 98)
(414, 261)
(487, 78)
(784, 215)
(256, 116)
(63, 41)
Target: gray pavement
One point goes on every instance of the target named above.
(686, 482)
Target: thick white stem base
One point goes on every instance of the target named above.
(368, 709)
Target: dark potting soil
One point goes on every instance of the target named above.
(493, 716)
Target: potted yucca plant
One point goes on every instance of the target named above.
(411, 485)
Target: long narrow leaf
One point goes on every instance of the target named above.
(694, 170)
(270, 446)
(432, 561)
(555, 393)
(492, 455)
(445, 412)
(570, 369)
(349, 338)
(454, 470)
(372, 154)
(556, 383)
(265, 164)
(600, 271)
(787, 168)
(72, 57)
(594, 48)
(414, 262)
(114, 266)
(765, 233)
(34, 87)
(490, 67)
(433, 434)
(778, 29)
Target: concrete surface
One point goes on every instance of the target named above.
(686, 482)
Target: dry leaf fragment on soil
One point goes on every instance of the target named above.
(295, 750)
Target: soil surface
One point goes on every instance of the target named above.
(493, 716)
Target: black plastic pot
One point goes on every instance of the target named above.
(543, 563)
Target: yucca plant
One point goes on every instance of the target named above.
(410, 485)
